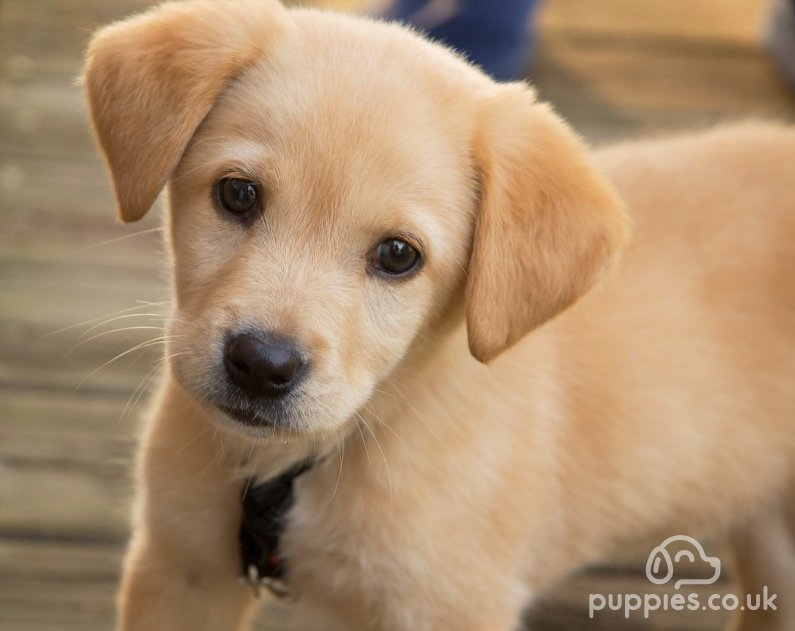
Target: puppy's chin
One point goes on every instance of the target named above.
(254, 422)
(270, 421)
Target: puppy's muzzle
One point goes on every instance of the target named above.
(263, 366)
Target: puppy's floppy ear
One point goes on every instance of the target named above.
(151, 80)
(548, 223)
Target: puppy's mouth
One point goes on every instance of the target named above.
(251, 418)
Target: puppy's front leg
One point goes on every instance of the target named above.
(181, 570)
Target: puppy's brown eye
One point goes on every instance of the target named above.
(237, 196)
(395, 257)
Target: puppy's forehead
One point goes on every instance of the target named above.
(336, 101)
(330, 65)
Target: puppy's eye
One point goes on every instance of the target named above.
(237, 196)
(395, 257)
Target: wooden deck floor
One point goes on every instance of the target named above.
(68, 417)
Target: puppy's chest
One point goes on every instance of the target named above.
(331, 516)
(334, 531)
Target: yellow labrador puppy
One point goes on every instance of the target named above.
(364, 230)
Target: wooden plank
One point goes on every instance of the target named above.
(63, 586)
(736, 21)
(93, 425)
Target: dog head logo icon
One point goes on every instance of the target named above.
(661, 565)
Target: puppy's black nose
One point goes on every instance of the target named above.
(263, 367)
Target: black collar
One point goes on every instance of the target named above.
(265, 509)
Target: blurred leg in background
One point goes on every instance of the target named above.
(780, 37)
(497, 36)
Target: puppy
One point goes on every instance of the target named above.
(364, 230)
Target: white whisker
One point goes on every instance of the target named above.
(383, 455)
(380, 421)
(104, 317)
(123, 317)
(142, 345)
(132, 400)
(121, 330)
(117, 239)
(341, 451)
(364, 440)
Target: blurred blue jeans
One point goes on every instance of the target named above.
(497, 35)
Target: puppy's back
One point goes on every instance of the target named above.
(679, 370)
(714, 213)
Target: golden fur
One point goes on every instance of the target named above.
(662, 401)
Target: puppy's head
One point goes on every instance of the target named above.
(336, 187)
